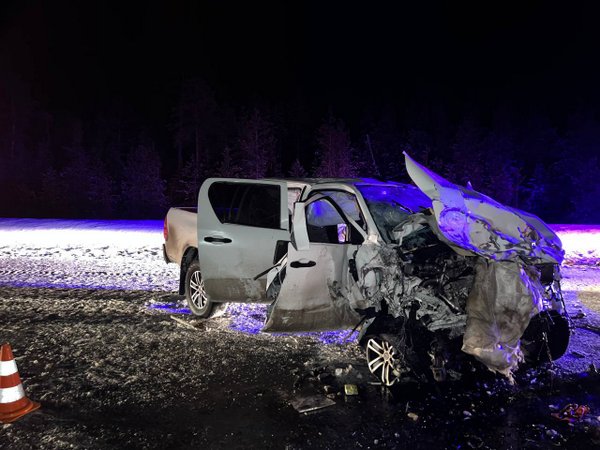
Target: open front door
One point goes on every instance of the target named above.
(239, 225)
(323, 243)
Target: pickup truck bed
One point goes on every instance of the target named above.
(181, 235)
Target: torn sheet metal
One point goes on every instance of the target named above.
(380, 278)
(500, 301)
(383, 280)
(504, 297)
(409, 226)
(472, 221)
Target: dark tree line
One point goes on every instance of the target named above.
(113, 165)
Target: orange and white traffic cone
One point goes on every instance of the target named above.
(13, 402)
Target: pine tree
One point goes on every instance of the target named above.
(142, 188)
(297, 170)
(257, 145)
(228, 166)
(533, 192)
(467, 161)
(585, 199)
(54, 194)
(195, 121)
(335, 156)
(186, 183)
(383, 147)
(501, 174)
(100, 192)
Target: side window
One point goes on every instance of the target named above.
(224, 198)
(260, 206)
(324, 224)
(255, 205)
(347, 202)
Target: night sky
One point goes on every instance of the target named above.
(84, 56)
(504, 95)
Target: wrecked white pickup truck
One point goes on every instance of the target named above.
(424, 272)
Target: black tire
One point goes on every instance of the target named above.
(198, 302)
(546, 338)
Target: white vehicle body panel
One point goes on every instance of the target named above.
(310, 298)
(307, 299)
(232, 255)
(183, 234)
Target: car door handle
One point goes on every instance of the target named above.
(220, 240)
(299, 264)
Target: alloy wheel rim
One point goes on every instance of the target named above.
(381, 359)
(197, 292)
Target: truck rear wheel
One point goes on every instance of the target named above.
(198, 302)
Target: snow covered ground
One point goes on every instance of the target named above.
(112, 372)
(120, 254)
(581, 243)
(105, 254)
(127, 254)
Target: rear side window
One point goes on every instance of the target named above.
(255, 205)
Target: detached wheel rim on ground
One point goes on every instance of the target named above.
(381, 360)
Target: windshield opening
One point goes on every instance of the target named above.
(391, 205)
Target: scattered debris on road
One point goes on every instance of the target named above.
(572, 413)
(312, 403)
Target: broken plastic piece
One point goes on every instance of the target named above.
(312, 403)
(572, 413)
(350, 389)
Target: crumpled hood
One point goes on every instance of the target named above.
(468, 220)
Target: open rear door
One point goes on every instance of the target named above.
(239, 225)
(317, 270)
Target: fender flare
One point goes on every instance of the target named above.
(189, 255)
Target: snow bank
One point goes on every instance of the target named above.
(127, 254)
(48, 233)
(97, 254)
(581, 243)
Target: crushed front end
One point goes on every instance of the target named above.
(444, 275)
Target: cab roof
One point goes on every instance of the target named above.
(352, 181)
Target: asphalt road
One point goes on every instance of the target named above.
(113, 372)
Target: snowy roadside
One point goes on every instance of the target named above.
(581, 244)
(120, 254)
(127, 255)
